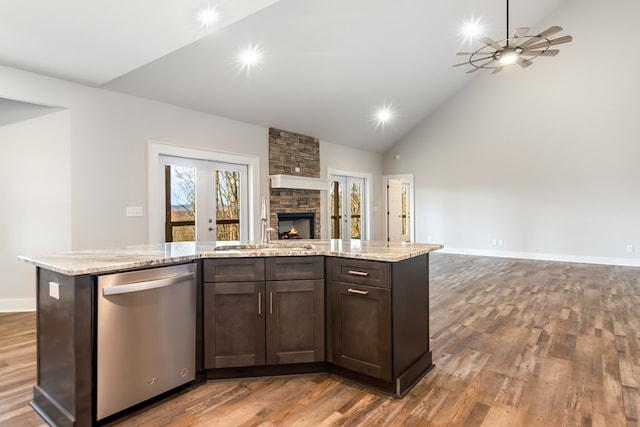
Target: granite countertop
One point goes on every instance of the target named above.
(98, 261)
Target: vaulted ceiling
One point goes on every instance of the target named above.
(326, 66)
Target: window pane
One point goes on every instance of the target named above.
(183, 193)
(228, 205)
(404, 210)
(180, 209)
(336, 209)
(356, 199)
(184, 233)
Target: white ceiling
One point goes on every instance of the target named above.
(327, 65)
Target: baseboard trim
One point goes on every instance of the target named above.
(13, 305)
(625, 262)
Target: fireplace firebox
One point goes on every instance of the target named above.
(297, 225)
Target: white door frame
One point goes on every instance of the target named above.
(155, 191)
(405, 178)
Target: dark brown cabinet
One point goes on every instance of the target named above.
(250, 321)
(378, 320)
(234, 324)
(360, 328)
(295, 321)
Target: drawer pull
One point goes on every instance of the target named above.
(358, 273)
(357, 291)
(259, 303)
(270, 302)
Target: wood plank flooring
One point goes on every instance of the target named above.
(515, 343)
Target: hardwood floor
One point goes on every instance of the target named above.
(515, 343)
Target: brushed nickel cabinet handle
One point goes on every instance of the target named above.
(357, 291)
(358, 273)
(270, 302)
(259, 303)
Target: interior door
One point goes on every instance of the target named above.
(399, 209)
(394, 210)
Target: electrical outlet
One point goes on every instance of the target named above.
(495, 242)
(134, 211)
(500, 242)
(54, 290)
(629, 248)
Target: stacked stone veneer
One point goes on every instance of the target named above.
(287, 151)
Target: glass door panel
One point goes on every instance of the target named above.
(336, 209)
(227, 205)
(181, 212)
(355, 202)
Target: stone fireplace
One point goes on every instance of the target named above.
(297, 155)
(296, 225)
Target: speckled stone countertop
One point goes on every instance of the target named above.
(99, 261)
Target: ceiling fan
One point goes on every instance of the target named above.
(519, 49)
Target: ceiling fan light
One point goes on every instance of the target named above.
(508, 58)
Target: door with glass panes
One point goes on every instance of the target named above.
(204, 200)
(347, 203)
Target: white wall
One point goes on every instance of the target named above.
(36, 201)
(333, 156)
(543, 158)
(110, 133)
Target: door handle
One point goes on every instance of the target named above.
(358, 273)
(357, 291)
(259, 303)
(145, 286)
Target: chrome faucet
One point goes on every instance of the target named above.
(264, 218)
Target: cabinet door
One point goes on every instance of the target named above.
(234, 322)
(295, 321)
(359, 326)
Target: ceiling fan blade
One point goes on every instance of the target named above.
(549, 52)
(524, 63)
(491, 43)
(550, 31)
(474, 60)
(520, 32)
(544, 44)
(497, 69)
(560, 40)
(480, 66)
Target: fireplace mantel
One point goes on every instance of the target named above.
(299, 182)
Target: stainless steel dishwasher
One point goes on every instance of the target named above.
(146, 335)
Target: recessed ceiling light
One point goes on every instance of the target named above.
(207, 16)
(250, 57)
(384, 115)
(472, 29)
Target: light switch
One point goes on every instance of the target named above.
(134, 211)
(54, 290)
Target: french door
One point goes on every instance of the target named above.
(347, 207)
(204, 200)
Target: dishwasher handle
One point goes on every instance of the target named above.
(145, 286)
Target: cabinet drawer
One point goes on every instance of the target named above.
(295, 268)
(363, 272)
(233, 269)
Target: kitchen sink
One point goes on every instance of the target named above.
(266, 247)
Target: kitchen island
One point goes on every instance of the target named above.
(355, 309)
